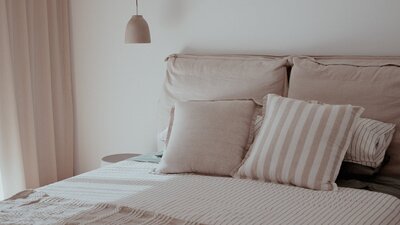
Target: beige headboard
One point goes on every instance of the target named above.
(179, 63)
(241, 68)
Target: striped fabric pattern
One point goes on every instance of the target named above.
(301, 143)
(225, 200)
(257, 124)
(370, 142)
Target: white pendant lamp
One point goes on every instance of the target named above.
(137, 29)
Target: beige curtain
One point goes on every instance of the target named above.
(36, 115)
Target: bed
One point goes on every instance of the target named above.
(131, 192)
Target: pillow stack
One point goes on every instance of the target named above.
(298, 141)
(301, 143)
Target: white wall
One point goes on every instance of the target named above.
(117, 85)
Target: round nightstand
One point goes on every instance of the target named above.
(110, 159)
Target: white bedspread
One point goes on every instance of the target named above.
(217, 200)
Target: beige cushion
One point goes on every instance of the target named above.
(208, 137)
(207, 78)
(255, 127)
(301, 143)
(374, 86)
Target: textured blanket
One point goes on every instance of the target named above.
(30, 207)
(215, 200)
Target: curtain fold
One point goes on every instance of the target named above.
(36, 109)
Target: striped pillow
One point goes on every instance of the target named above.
(257, 124)
(370, 141)
(301, 143)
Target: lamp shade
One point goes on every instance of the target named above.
(137, 30)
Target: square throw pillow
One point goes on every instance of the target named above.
(208, 137)
(255, 127)
(301, 143)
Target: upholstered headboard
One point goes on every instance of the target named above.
(222, 77)
(216, 77)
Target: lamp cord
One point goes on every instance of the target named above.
(137, 8)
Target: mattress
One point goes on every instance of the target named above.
(225, 200)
